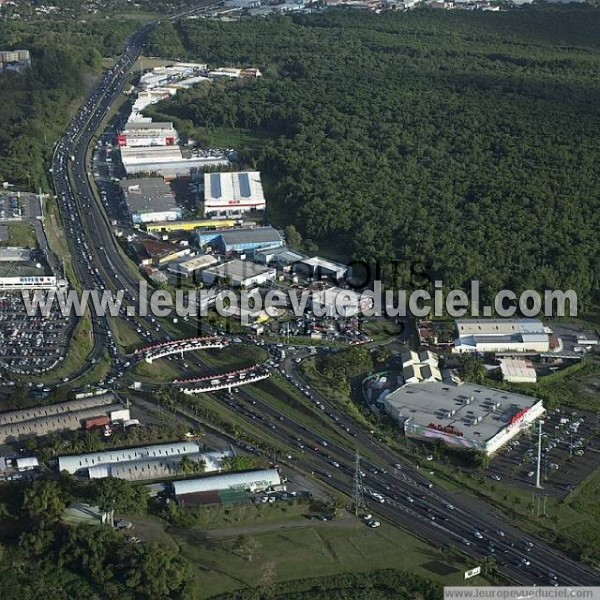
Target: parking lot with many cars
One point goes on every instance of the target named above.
(570, 446)
(30, 345)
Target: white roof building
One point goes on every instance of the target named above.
(517, 370)
(319, 268)
(245, 480)
(232, 194)
(76, 462)
(502, 336)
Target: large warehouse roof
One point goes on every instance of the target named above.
(246, 480)
(477, 412)
(250, 235)
(40, 412)
(148, 194)
(226, 190)
(51, 424)
(83, 461)
(155, 468)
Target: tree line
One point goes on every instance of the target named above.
(464, 143)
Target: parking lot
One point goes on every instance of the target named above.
(570, 446)
(30, 345)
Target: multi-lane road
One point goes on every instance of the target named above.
(408, 501)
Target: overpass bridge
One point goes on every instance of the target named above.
(156, 351)
(224, 381)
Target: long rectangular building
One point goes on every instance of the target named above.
(245, 480)
(232, 194)
(502, 336)
(139, 134)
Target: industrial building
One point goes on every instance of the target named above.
(517, 370)
(143, 455)
(191, 491)
(188, 266)
(241, 240)
(149, 199)
(337, 302)
(466, 416)
(168, 161)
(504, 336)
(321, 268)
(232, 194)
(239, 273)
(156, 467)
(139, 134)
(281, 257)
(44, 420)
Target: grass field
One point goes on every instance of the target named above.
(160, 370)
(22, 235)
(380, 329)
(126, 336)
(301, 548)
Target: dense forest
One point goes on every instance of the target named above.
(36, 106)
(466, 142)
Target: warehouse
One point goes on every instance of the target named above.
(168, 161)
(281, 257)
(517, 370)
(241, 240)
(138, 134)
(53, 423)
(232, 194)
(75, 463)
(320, 268)
(190, 491)
(20, 271)
(157, 468)
(188, 266)
(504, 336)
(239, 273)
(463, 416)
(150, 199)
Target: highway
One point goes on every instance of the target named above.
(431, 513)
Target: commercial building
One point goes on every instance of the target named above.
(502, 336)
(517, 370)
(239, 273)
(420, 366)
(466, 416)
(337, 302)
(241, 240)
(321, 268)
(168, 161)
(232, 194)
(19, 270)
(139, 134)
(149, 200)
(188, 266)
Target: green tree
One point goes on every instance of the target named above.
(44, 502)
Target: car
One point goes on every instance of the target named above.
(368, 517)
(450, 506)
(409, 499)
(501, 533)
(496, 477)
(478, 535)
(525, 562)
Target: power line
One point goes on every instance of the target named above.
(359, 496)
